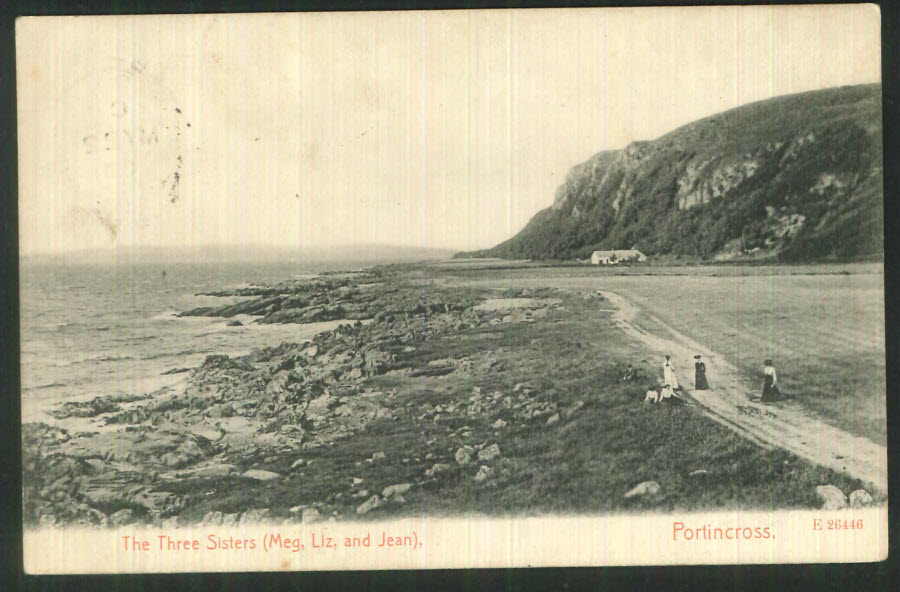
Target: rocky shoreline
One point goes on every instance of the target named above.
(248, 424)
(429, 396)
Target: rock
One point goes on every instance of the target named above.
(832, 498)
(498, 424)
(260, 475)
(463, 455)
(699, 473)
(210, 433)
(574, 409)
(378, 456)
(300, 462)
(437, 468)
(92, 408)
(483, 474)
(77, 515)
(122, 518)
(219, 470)
(553, 419)
(860, 498)
(212, 519)
(170, 523)
(234, 323)
(647, 488)
(309, 515)
(369, 505)
(312, 351)
(280, 382)
(158, 503)
(489, 453)
(96, 465)
(396, 489)
(220, 411)
(253, 517)
(319, 406)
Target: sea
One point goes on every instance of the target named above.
(89, 330)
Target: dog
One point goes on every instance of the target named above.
(653, 395)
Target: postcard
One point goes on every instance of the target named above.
(415, 289)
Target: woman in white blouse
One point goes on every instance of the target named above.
(669, 376)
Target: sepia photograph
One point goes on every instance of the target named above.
(444, 289)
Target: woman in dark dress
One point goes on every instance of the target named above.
(700, 383)
(771, 392)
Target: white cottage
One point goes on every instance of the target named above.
(620, 256)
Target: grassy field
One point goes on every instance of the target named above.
(583, 463)
(822, 325)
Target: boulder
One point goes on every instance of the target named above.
(435, 469)
(463, 455)
(647, 488)
(122, 518)
(234, 323)
(483, 474)
(96, 465)
(309, 515)
(574, 409)
(369, 505)
(699, 473)
(212, 519)
(490, 453)
(223, 410)
(398, 489)
(553, 419)
(498, 424)
(319, 406)
(253, 517)
(860, 498)
(158, 503)
(280, 382)
(217, 470)
(75, 515)
(378, 456)
(260, 475)
(831, 497)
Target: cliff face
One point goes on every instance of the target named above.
(797, 177)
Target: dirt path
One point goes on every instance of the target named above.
(785, 424)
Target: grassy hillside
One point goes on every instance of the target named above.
(797, 177)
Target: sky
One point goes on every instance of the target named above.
(431, 129)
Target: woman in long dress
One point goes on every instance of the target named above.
(700, 375)
(669, 376)
(770, 383)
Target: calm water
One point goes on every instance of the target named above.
(89, 330)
